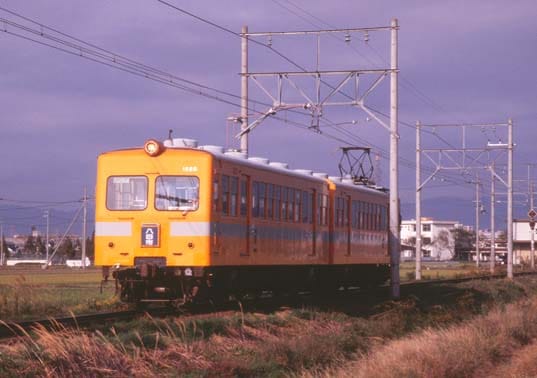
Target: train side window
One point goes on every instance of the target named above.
(311, 205)
(372, 209)
(284, 203)
(306, 207)
(381, 217)
(319, 209)
(298, 205)
(262, 195)
(290, 204)
(346, 210)
(353, 214)
(373, 217)
(368, 207)
(244, 198)
(341, 211)
(325, 210)
(277, 206)
(357, 214)
(225, 194)
(270, 194)
(379, 220)
(366, 215)
(255, 200)
(360, 215)
(336, 215)
(216, 193)
(126, 193)
(234, 183)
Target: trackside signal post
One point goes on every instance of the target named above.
(314, 103)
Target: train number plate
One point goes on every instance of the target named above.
(150, 235)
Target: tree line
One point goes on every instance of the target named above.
(36, 246)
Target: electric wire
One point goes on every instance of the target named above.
(118, 61)
(135, 72)
(419, 94)
(240, 36)
(133, 67)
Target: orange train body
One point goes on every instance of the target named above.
(176, 222)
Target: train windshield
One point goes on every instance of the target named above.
(177, 193)
(126, 193)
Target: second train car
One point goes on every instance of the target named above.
(178, 222)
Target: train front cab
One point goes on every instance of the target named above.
(153, 222)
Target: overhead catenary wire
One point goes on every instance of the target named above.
(136, 72)
(222, 28)
(419, 94)
(125, 64)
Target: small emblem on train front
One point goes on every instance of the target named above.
(150, 235)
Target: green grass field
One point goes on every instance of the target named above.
(440, 270)
(31, 292)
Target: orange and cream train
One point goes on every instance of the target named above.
(176, 222)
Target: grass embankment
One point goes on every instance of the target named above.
(296, 341)
(32, 292)
(438, 270)
(28, 293)
(502, 343)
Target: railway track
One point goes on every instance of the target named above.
(363, 298)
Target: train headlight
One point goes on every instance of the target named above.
(153, 147)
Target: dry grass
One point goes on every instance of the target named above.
(239, 345)
(299, 341)
(522, 365)
(472, 349)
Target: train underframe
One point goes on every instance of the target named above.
(153, 283)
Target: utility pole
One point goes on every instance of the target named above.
(244, 89)
(477, 222)
(532, 230)
(1, 244)
(492, 221)
(510, 199)
(418, 201)
(47, 216)
(395, 231)
(85, 218)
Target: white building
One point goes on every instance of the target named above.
(522, 241)
(437, 240)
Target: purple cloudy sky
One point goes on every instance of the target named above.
(470, 61)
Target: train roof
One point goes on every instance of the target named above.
(235, 156)
(238, 157)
